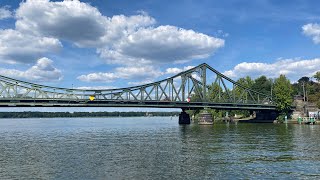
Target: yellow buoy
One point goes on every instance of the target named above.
(91, 98)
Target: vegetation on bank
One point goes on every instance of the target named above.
(31, 114)
(308, 89)
(283, 96)
(280, 89)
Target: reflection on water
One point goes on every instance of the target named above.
(155, 148)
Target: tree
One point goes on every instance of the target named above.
(304, 80)
(317, 76)
(239, 91)
(283, 94)
(262, 85)
(216, 93)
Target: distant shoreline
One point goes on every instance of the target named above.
(31, 114)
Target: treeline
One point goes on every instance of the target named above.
(280, 89)
(31, 114)
(308, 89)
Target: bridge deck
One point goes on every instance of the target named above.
(125, 103)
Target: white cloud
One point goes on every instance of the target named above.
(177, 70)
(98, 77)
(120, 26)
(161, 45)
(17, 47)
(138, 72)
(134, 42)
(69, 20)
(137, 83)
(75, 21)
(313, 31)
(292, 68)
(119, 39)
(145, 72)
(5, 13)
(42, 71)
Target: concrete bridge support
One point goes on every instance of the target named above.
(266, 115)
(184, 117)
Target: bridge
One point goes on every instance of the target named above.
(196, 88)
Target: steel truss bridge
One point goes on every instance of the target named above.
(199, 87)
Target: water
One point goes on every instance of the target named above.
(155, 148)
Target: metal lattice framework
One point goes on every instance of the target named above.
(203, 85)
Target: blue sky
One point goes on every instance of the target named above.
(120, 43)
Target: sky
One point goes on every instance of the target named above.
(101, 44)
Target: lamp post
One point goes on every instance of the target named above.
(304, 92)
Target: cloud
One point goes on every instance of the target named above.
(98, 77)
(75, 21)
(5, 12)
(177, 70)
(68, 20)
(137, 83)
(119, 39)
(292, 68)
(42, 71)
(148, 72)
(16, 47)
(134, 42)
(162, 44)
(138, 72)
(313, 31)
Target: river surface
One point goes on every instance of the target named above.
(155, 148)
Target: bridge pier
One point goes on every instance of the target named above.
(184, 117)
(266, 115)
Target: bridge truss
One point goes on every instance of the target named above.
(201, 86)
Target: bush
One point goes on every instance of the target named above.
(281, 117)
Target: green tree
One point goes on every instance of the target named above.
(317, 76)
(304, 79)
(262, 85)
(283, 94)
(216, 93)
(240, 92)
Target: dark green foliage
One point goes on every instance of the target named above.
(281, 117)
(297, 89)
(283, 94)
(240, 93)
(317, 76)
(262, 85)
(312, 89)
(304, 80)
(216, 93)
